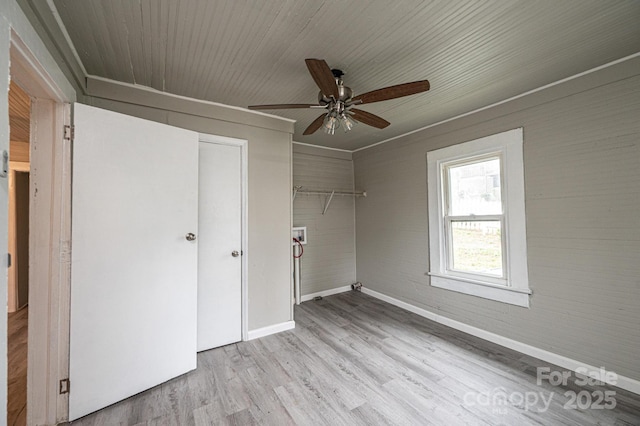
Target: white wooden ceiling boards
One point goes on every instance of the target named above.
(474, 53)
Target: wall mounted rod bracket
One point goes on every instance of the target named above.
(295, 191)
(326, 206)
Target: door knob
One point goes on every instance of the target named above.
(235, 253)
(190, 236)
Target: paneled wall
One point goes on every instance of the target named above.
(329, 260)
(582, 192)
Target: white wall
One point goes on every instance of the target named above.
(582, 194)
(329, 259)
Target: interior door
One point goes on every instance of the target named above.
(134, 274)
(220, 248)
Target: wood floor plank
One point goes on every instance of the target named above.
(369, 415)
(355, 360)
(17, 367)
(266, 407)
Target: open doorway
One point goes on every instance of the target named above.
(18, 237)
(40, 166)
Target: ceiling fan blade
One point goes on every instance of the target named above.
(285, 106)
(317, 123)
(368, 118)
(392, 92)
(323, 77)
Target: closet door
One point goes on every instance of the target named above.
(133, 263)
(220, 244)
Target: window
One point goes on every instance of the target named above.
(473, 216)
(477, 235)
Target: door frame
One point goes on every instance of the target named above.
(243, 145)
(49, 237)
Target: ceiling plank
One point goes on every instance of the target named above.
(19, 114)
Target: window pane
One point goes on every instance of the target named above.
(477, 247)
(474, 188)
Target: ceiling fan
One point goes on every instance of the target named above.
(338, 100)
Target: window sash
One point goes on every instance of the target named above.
(445, 177)
(449, 248)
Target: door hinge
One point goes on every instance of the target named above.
(8, 260)
(4, 170)
(65, 386)
(69, 133)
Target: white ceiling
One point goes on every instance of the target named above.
(242, 52)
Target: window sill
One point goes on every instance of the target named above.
(510, 295)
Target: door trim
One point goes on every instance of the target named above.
(49, 220)
(244, 223)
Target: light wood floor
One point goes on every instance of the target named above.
(354, 360)
(17, 368)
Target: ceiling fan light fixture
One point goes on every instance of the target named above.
(331, 123)
(347, 122)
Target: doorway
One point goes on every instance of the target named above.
(41, 180)
(18, 237)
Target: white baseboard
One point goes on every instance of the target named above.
(623, 382)
(271, 329)
(306, 297)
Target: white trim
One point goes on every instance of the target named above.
(223, 140)
(244, 160)
(322, 147)
(521, 95)
(486, 291)
(271, 329)
(488, 284)
(509, 145)
(185, 98)
(623, 382)
(325, 293)
(30, 74)
(293, 294)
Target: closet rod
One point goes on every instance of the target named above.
(352, 194)
(298, 190)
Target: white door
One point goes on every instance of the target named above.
(220, 245)
(134, 274)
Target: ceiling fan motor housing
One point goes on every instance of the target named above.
(344, 92)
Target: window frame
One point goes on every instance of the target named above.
(448, 218)
(513, 287)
